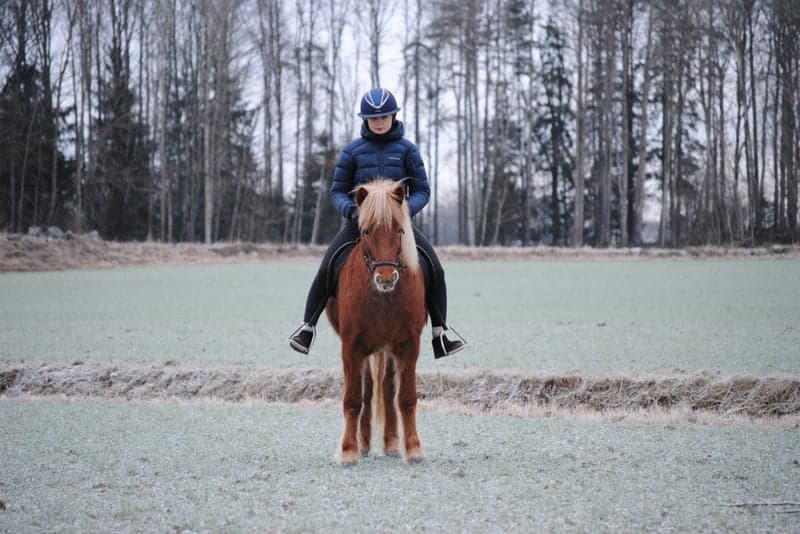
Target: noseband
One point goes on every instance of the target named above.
(373, 264)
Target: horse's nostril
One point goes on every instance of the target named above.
(386, 284)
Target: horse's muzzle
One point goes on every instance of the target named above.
(386, 282)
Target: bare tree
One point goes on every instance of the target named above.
(207, 32)
(627, 122)
(77, 17)
(638, 202)
(785, 23)
(166, 23)
(699, 97)
(337, 20)
(373, 19)
(580, 138)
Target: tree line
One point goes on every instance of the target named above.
(562, 122)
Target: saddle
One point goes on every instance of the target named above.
(341, 255)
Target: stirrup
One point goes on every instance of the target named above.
(298, 347)
(459, 336)
(443, 346)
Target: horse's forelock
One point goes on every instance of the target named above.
(375, 210)
(379, 208)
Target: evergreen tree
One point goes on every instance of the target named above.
(552, 130)
(122, 184)
(28, 131)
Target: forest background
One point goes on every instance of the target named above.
(559, 122)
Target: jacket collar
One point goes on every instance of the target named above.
(394, 134)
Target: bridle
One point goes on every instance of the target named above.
(373, 264)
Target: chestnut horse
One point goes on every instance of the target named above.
(379, 314)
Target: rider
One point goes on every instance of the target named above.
(380, 151)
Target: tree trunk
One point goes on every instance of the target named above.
(374, 19)
(707, 229)
(722, 188)
(638, 197)
(337, 24)
(436, 128)
(580, 141)
(75, 222)
(264, 47)
(298, 186)
(276, 46)
(608, 130)
(666, 139)
(676, 199)
(755, 195)
(208, 125)
(167, 19)
(627, 121)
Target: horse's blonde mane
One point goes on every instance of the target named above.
(379, 209)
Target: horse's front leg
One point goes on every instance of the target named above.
(407, 400)
(365, 423)
(391, 443)
(353, 364)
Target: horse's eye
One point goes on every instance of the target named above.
(401, 231)
(365, 232)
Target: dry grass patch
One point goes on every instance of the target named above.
(486, 391)
(34, 253)
(29, 253)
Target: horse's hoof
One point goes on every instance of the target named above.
(394, 453)
(364, 453)
(415, 457)
(347, 459)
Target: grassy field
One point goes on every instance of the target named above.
(590, 317)
(208, 466)
(88, 466)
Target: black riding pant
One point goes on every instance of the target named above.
(435, 292)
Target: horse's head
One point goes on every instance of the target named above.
(386, 232)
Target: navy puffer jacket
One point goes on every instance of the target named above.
(388, 156)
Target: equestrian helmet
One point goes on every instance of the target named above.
(378, 102)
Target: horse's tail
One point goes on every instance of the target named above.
(377, 366)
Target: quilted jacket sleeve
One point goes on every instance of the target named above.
(419, 188)
(343, 183)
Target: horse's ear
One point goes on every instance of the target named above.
(399, 191)
(360, 194)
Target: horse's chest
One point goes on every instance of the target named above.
(388, 310)
(384, 305)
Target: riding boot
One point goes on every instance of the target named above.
(302, 338)
(436, 301)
